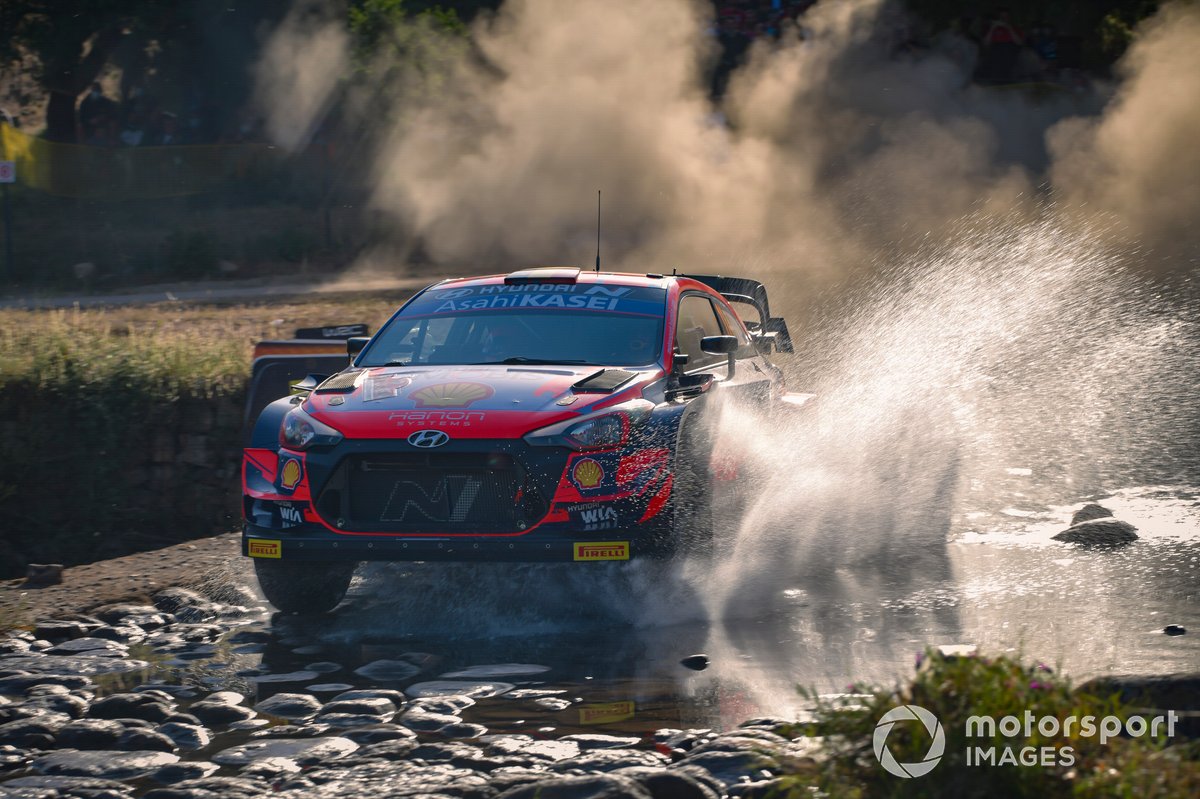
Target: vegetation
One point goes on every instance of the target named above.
(955, 688)
(93, 397)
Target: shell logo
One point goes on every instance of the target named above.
(450, 395)
(588, 473)
(290, 474)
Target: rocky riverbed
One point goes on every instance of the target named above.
(83, 715)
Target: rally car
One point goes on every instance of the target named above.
(544, 415)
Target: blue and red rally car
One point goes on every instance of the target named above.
(543, 415)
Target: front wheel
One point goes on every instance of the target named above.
(303, 586)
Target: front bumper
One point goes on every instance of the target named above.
(534, 547)
(599, 506)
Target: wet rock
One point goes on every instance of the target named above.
(55, 667)
(225, 697)
(57, 630)
(683, 740)
(529, 749)
(287, 677)
(475, 690)
(293, 731)
(449, 705)
(131, 706)
(1099, 533)
(303, 751)
(463, 731)
(219, 713)
(251, 637)
(366, 705)
(51, 787)
(552, 703)
(121, 633)
(586, 741)
(94, 647)
(395, 749)
(73, 706)
(33, 733)
(762, 789)
(185, 605)
(351, 720)
(605, 760)
(377, 733)
(695, 662)
(90, 734)
(598, 786)
(212, 788)
(11, 646)
(290, 706)
(147, 617)
(109, 765)
(1174, 629)
(1090, 512)
(179, 772)
(495, 671)
(145, 740)
(324, 667)
(270, 768)
(40, 575)
(424, 721)
(739, 756)
(20, 683)
(459, 755)
(670, 783)
(249, 724)
(185, 736)
(182, 718)
(388, 670)
(533, 693)
(328, 687)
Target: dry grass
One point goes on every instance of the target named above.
(173, 345)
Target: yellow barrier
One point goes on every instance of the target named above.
(127, 173)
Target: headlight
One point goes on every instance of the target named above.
(300, 431)
(605, 429)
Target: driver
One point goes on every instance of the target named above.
(501, 340)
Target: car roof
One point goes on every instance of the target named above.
(563, 275)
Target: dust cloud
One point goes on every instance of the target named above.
(829, 147)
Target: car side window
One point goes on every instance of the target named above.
(696, 320)
(732, 327)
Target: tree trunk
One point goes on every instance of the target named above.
(60, 117)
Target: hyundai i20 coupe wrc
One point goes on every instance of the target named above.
(544, 415)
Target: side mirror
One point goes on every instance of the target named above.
(355, 345)
(690, 386)
(719, 345)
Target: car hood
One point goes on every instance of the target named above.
(466, 401)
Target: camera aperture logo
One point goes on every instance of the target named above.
(884, 755)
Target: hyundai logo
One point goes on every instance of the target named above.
(428, 439)
(454, 294)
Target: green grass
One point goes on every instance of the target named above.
(955, 688)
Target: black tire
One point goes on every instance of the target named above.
(303, 586)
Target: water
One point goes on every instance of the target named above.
(969, 402)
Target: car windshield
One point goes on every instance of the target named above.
(537, 324)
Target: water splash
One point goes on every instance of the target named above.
(1013, 347)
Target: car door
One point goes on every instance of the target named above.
(700, 316)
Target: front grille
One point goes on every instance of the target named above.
(464, 493)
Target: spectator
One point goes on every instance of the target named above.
(1002, 45)
(94, 111)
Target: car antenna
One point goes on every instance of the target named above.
(597, 230)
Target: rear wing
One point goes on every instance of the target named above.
(769, 331)
(280, 364)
